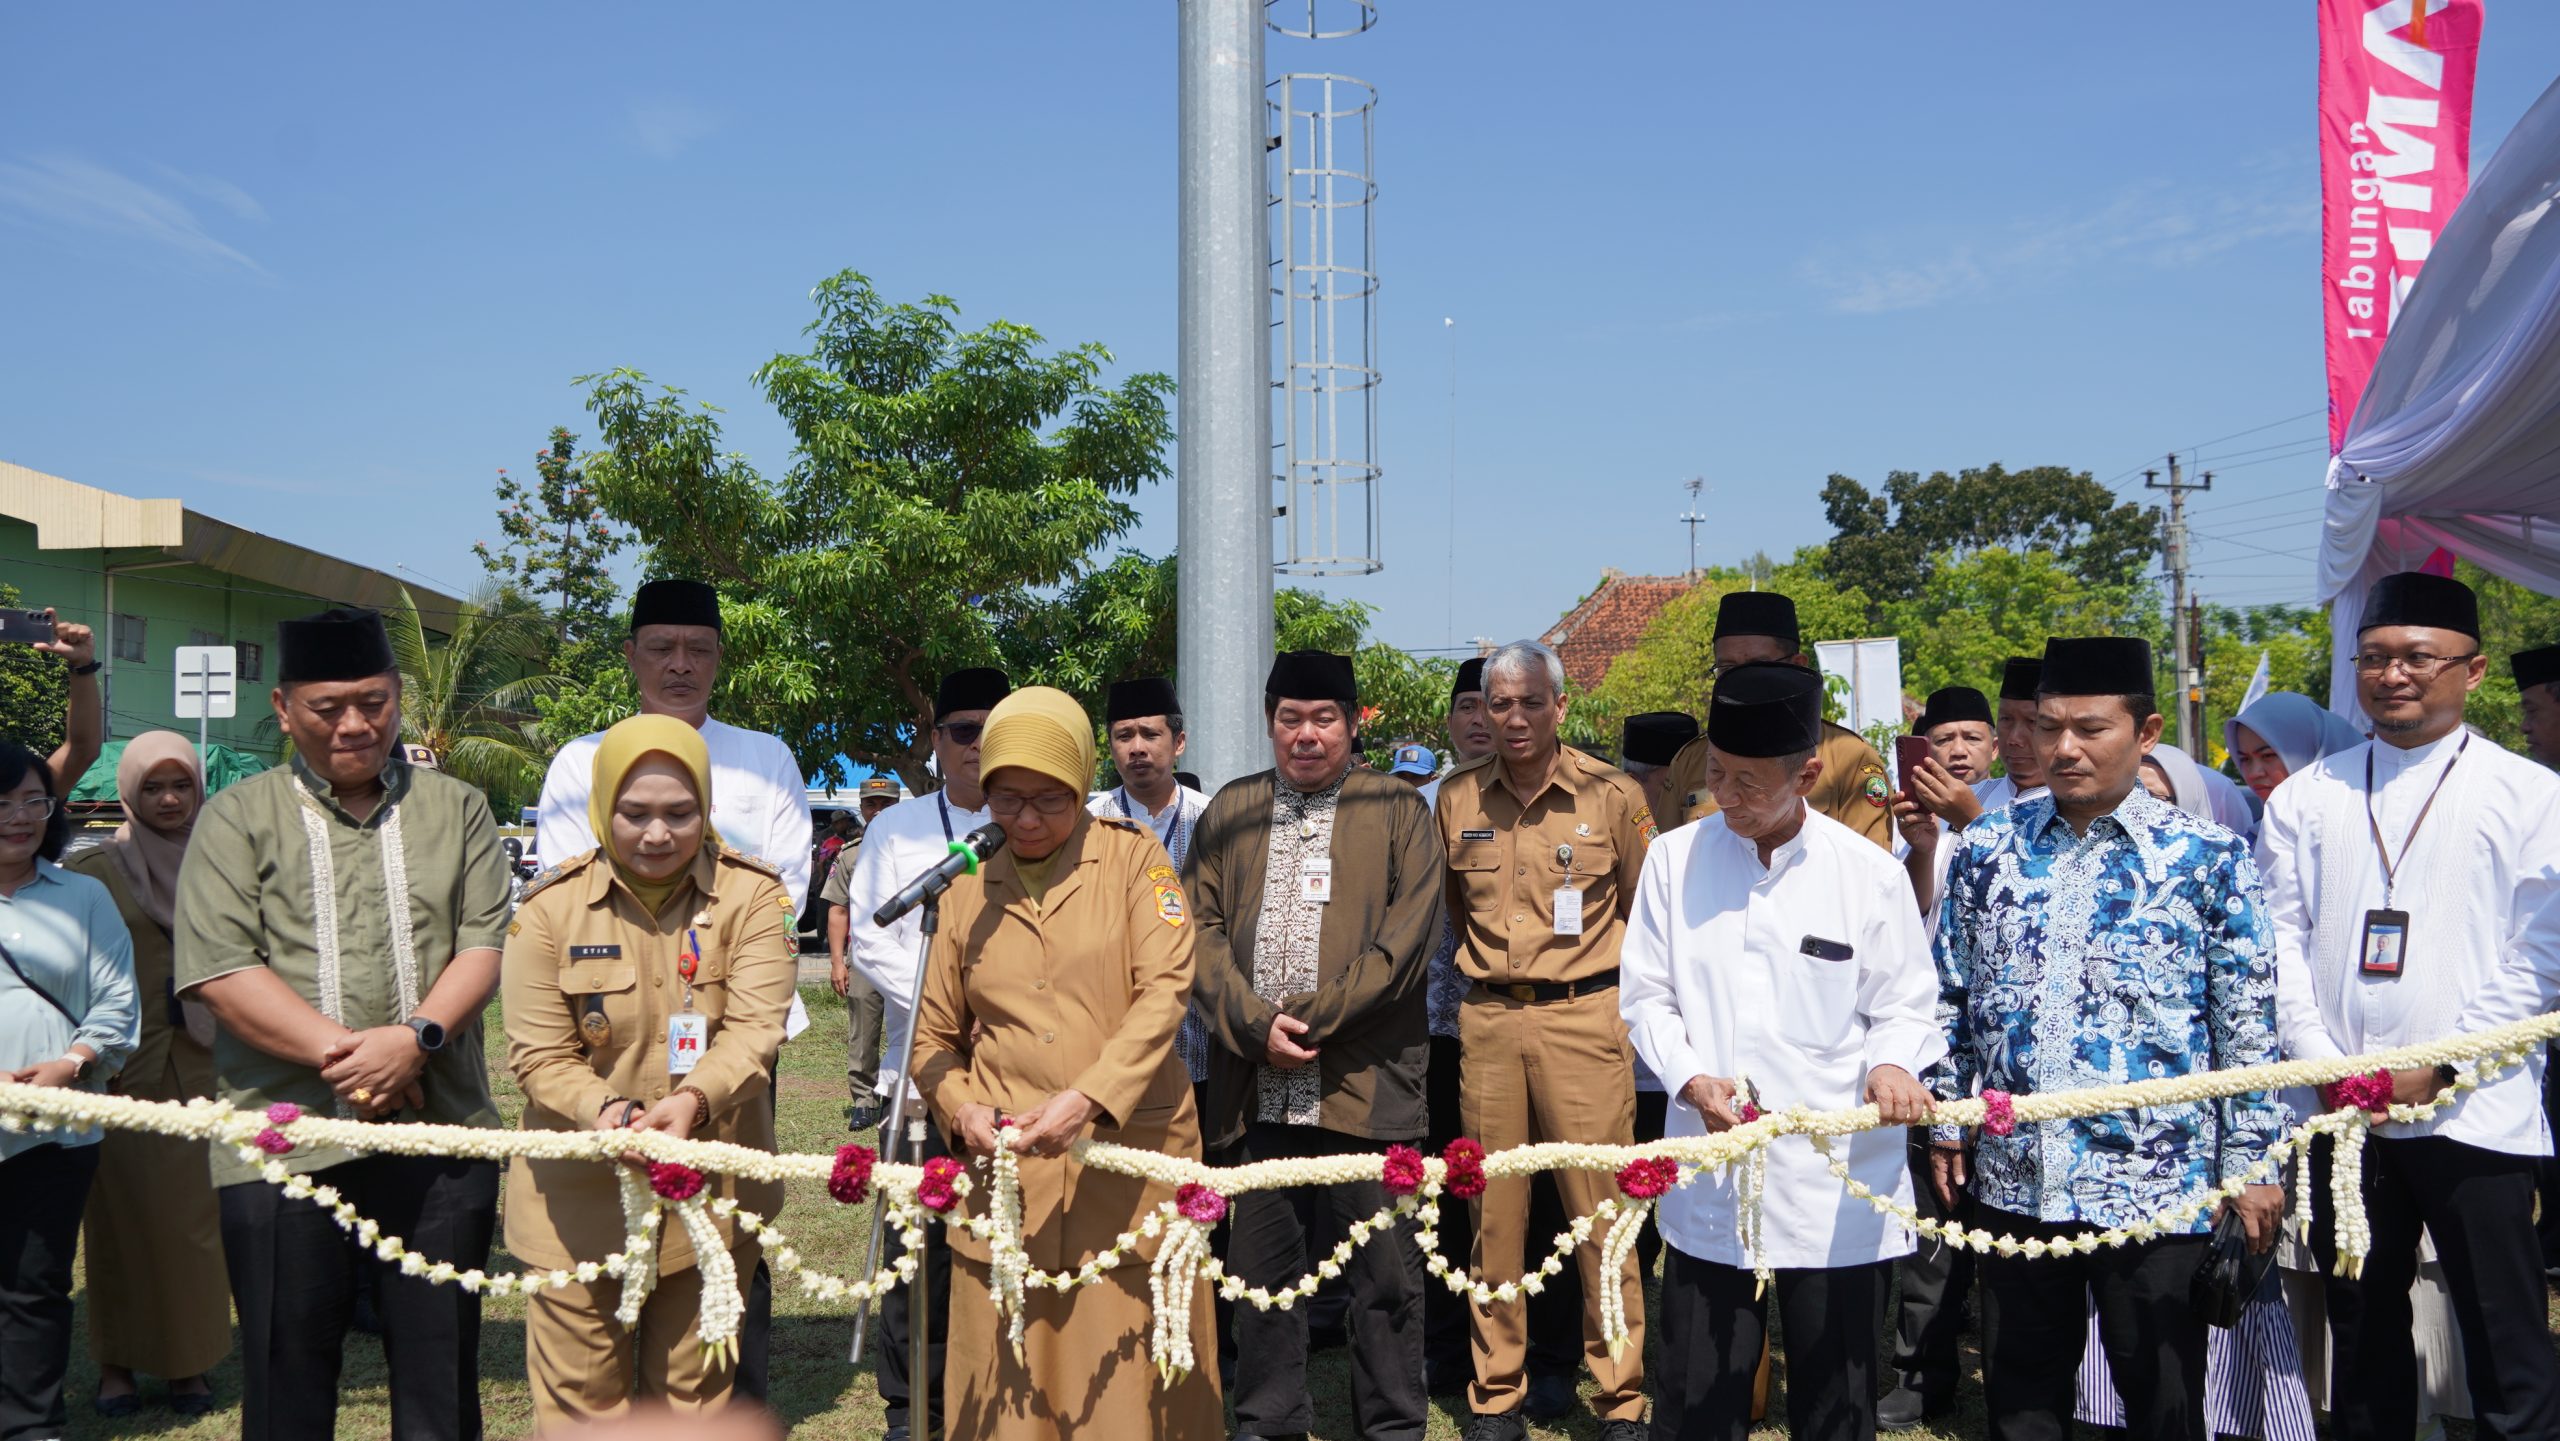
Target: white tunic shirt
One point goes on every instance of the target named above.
(902, 843)
(759, 807)
(1713, 981)
(1174, 826)
(2481, 886)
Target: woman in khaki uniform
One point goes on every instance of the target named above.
(602, 1018)
(159, 1299)
(1058, 977)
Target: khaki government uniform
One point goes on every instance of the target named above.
(1538, 1070)
(1853, 788)
(1081, 989)
(864, 1010)
(1365, 1018)
(159, 1299)
(589, 984)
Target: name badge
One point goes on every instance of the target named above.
(1568, 911)
(688, 1032)
(595, 953)
(1485, 835)
(1315, 879)
(2386, 944)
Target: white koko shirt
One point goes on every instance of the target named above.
(1713, 981)
(904, 842)
(2481, 887)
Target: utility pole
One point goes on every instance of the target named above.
(1693, 520)
(2186, 635)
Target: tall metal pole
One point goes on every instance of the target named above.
(1223, 471)
(2186, 636)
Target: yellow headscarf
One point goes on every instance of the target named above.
(623, 748)
(1043, 731)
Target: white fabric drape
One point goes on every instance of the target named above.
(2456, 442)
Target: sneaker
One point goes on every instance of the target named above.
(1551, 1396)
(1501, 1426)
(1622, 1431)
(864, 1118)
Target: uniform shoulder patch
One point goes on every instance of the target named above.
(1169, 904)
(753, 863)
(1159, 873)
(1872, 785)
(543, 881)
(1644, 822)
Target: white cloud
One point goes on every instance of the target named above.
(67, 192)
(2147, 224)
(667, 128)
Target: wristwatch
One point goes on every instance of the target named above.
(79, 1064)
(2446, 1075)
(92, 668)
(430, 1034)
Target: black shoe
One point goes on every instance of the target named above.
(1622, 1431)
(864, 1118)
(193, 1403)
(1502, 1426)
(1551, 1396)
(1906, 1408)
(117, 1407)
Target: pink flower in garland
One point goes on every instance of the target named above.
(1997, 1116)
(2365, 1093)
(283, 1113)
(850, 1181)
(1402, 1174)
(674, 1181)
(935, 1192)
(1465, 1160)
(273, 1142)
(1749, 1113)
(1648, 1179)
(1199, 1205)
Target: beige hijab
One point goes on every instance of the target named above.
(150, 858)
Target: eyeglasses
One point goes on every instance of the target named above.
(2421, 666)
(1047, 803)
(963, 733)
(40, 808)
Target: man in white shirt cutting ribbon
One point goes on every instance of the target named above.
(901, 844)
(1773, 957)
(2415, 886)
(759, 807)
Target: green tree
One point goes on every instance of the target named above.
(468, 699)
(558, 545)
(2295, 641)
(2512, 618)
(35, 692)
(1980, 609)
(1889, 545)
(940, 481)
(1668, 667)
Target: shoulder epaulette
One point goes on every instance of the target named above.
(574, 863)
(1122, 823)
(753, 863)
(1479, 763)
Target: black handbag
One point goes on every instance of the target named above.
(2230, 1275)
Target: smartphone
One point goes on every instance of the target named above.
(26, 627)
(1908, 753)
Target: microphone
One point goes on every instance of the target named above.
(966, 852)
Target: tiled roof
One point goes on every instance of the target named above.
(1609, 622)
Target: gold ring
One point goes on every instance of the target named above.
(362, 1095)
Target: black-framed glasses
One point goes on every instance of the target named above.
(963, 733)
(1047, 803)
(42, 807)
(2421, 666)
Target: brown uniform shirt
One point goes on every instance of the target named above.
(590, 982)
(1852, 788)
(1509, 856)
(1081, 990)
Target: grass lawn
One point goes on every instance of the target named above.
(817, 1394)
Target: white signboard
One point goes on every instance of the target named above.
(1873, 669)
(208, 682)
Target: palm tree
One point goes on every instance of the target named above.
(469, 699)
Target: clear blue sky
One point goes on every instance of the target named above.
(321, 270)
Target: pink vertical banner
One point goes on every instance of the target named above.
(2395, 159)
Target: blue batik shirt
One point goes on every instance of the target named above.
(2137, 951)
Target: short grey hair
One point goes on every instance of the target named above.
(1639, 769)
(1525, 658)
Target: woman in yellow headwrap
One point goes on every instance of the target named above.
(646, 984)
(159, 1299)
(1058, 977)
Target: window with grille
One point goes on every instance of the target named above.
(128, 637)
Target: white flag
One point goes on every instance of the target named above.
(2257, 685)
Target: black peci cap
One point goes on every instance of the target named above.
(1949, 704)
(1470, 678)
(1766, 708)
(675, 602)
(2019, 677)
(340, 643)
(1759, 612)
(2540, 666)
(2097, 665)
(2413, 597)
(1312, 675)
(1147, 696)
(1654, 737)
(977, 688)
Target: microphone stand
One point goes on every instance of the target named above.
(919, 1290)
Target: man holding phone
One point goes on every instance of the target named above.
(84, 724)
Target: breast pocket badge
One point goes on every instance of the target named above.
(594, 1026)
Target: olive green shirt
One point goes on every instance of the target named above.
(249, 895)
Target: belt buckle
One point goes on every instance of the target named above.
(1525, 995)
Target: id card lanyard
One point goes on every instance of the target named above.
(2390, 867)
(2383, 949)
(687, 1031)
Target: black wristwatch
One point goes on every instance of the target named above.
(92, 668)
(430, 1034)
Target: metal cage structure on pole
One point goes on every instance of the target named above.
(1325, 288)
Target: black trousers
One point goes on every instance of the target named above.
(1269, 1244)
(2035, 1323)
(895, 1335)
(2548, 1173)
(295, 1292)
(755, 1329)
(1555, 1313)
(1934, 1283)
(2478, 1205)
(42, 1193)
(1712, 1329)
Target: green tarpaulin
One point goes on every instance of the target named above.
(222, 766)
